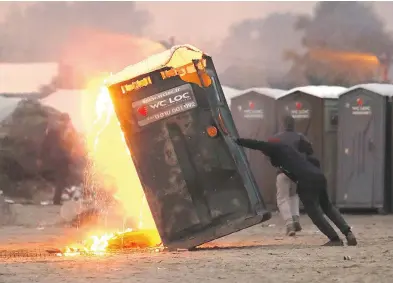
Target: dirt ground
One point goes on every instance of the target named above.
(258, 254)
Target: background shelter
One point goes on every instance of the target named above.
(7, 106)
(70, 102)
(29, 80)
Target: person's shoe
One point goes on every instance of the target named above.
(334, 243)
(291, 230)
(298, 227)
(351, 239)
(296, 223)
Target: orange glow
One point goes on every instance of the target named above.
(179, 58)
(92, 51)
(356, 57)
(99, 245)
(112, 159)
(189, 73)
(212, 131)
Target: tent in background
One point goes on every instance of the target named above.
(7, 106)
(70, 102)
(27, 78)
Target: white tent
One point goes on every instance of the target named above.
(26, 78)
(70, 102)
(7, 106)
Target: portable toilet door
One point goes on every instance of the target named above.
(314, 109)
(254, 113)
(364, 146)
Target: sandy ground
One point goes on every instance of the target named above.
(258, 254)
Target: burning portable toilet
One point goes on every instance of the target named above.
(254, 113)
(315, 109)
(179, 131)
(364, 147)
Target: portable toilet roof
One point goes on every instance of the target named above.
(271, 92)
(26, 78)
(320, 91)
(175, 57)
(229, 93)
(383, 89)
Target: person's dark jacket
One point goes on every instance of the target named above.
(314, 161)
(291, 138)
(290, 161)
(296, 140)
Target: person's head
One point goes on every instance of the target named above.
(288, 123)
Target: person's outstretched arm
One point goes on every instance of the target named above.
(305, 146)
(265, 147)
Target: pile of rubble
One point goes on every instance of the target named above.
(39, 150)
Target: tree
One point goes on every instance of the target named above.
(343, 41)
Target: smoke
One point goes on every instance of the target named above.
(256, 52)
(251, 54)
(254, 49)
(347, 26)
(337, 31)
(37, 32)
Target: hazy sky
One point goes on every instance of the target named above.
(206, 23)
(212, 19)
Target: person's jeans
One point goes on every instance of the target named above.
(287, 198)
(316, 202)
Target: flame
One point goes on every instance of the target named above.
(99, 245)
(343, 56)
(112, 160)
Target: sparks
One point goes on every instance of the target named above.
(112, 160)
